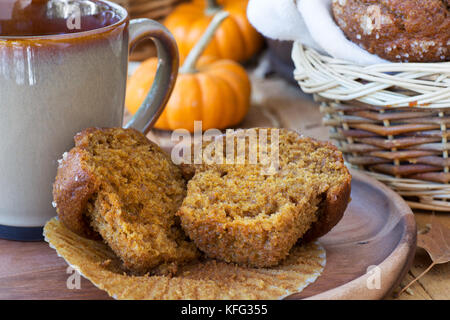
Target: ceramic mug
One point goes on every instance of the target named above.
(63, 68)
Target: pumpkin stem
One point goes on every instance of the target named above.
(199, 48)
(213, 7)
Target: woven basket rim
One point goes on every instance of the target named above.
(428, 84)
(376, 111)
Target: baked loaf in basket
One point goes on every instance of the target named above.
(244, 214)
(397, 30)
(118, 185)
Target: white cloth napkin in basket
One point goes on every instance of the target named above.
(310, 22)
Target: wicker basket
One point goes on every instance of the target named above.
(389, 120)
(151, 9)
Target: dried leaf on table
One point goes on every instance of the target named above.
(437, 243)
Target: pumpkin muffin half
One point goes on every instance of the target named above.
(245, 214)
(117, 185)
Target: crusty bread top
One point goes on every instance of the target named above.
(397, 30)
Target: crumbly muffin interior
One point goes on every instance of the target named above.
(134, 209)
(247, 214)
(245, 191)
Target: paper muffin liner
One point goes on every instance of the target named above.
(206, 279)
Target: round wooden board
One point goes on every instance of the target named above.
(378, 228)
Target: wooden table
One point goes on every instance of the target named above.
(34, 271)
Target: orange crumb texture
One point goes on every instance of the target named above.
(137, 190)
(117, 186)
(237, 213)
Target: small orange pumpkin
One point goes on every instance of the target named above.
(216, 92)
(236, 38)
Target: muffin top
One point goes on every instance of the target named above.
(397, 30)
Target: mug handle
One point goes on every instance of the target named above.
(166, 74)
